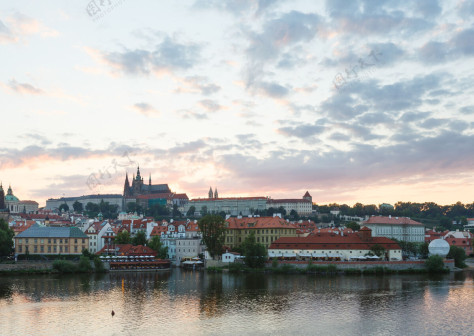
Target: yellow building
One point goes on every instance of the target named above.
(51, 240)
(266, 229)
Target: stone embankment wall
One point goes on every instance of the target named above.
(27, 265)
(394, 265)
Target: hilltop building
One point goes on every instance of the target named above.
(10, 203)
(303, 206)
(401, 228)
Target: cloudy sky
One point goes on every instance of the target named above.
(368, 101)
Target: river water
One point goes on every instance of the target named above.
(195, 303)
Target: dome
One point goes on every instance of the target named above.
(439, 247)
(11, 198)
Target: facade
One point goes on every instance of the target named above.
(233, 206)
(401, 228)
(95, 232)
(12, 204)
(301, 206)
(266, 230)
(188, 248)
(138, 187)
(51, 240)
(55, 203)
(462, 239)
(334, 246)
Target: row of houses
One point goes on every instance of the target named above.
(279, 236)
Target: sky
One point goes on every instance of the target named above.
(355, 101)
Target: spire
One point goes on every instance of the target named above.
(216, 195)
(149, 181)
(10, 191)
(126, 186)
(138, 173)
(210, 193)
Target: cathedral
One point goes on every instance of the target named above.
(139, 188)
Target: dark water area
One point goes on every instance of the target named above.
(195, 303)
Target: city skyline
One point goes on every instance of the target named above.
(355, 101)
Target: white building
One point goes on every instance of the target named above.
(401, 228)
(233, 206)
(95, 232)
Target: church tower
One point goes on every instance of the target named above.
(2, 198)
(211, 194)
(216, 195)
(126, 187)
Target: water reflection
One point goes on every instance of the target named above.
(199, 303)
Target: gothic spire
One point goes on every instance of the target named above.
(149, 180)
(216, 195)
(211, 193)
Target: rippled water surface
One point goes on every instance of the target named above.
(195, 303)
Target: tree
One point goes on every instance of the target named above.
(140, 238)
(435, 264)
(353, 225)
(203, 210)
(191, 211)
(156, 245)
(423, 250)
(281, 210)
(212, 228)
(63, 207)
(255, 253)
(77, 206)
(458, 254)
(123, 237)
(378, 250)
(6, 238)
(176, 212)
(293, 214)
(134, 207)
(92, 209)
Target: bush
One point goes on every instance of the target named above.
(213, 269)
(99, 265)
(236, 267)
(275, 263)
(435, 264)
(458, 254)
(64, 266)
(84, 265)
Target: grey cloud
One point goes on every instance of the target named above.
(166, 55)
(302, 131)
(210, 105)
(460, 45)
(339, 137)
(237, 7)
(187, 147)
(467, 109)
(274, 90)
(428, 8)
(145, 108)
(432, 123)
(447, 153)
(24, 88)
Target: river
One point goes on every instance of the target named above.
(195, 303)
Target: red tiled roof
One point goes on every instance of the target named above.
(229, 199)
(180, 196)
(289, 200)
(333, 242)
(391, 220)
(128, 250)
(157, 230)
(258, 223)
(307, 194)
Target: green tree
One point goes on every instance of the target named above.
(92, 209)
(435, 264)
(134, 207)
(6, 238)
(423, 250)
(140, 238)
(458, 254)
(281, 210)
(293, 214)
(63, 207)
(123, 237)
(156, 245)
(203, 210)
(176, 212)
(84, 264)
(353, 225)
(463, 221)
(212, 228)
(191, 211)
(77, 206)
(255, 253)
(378, 250)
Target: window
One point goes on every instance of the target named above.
(75, 241)
(83, 240)
(49, 248)
(54, 240)
(35, 248)
(65, 248)
(75, 248)
(55, 249)
(65, 241)
(60, 249)
(19, 241)
(26, 241)
(20, 248)
(36, 240)
(42, 248)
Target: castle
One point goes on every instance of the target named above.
(139, 188)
